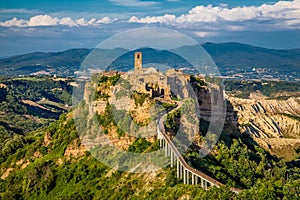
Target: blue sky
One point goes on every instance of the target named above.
(117, 6)
(58, 25)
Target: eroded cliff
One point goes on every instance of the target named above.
(274, 124)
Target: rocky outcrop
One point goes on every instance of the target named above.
(263, 118)
(6, 173)
(273, 124)
(75, 150)
(282, 147)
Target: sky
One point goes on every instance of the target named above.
(57, 25)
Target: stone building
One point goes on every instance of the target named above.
(138, 62)
(147, 80)
(156, 83)
(152, 81)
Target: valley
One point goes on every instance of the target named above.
(50, 161)
(50, 148)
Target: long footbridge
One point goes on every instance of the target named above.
(189, 174)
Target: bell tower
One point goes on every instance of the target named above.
(138, 61)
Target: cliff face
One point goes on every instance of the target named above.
(264, 118)
(274, 124)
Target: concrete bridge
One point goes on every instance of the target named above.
(189, 174)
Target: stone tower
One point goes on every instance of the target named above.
(137, 61)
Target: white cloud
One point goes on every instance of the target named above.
(14, 22)
(134, 3)
(286, 13)
(91, 21)
(148, 20)
(204, 34)
(105, 20)
(81, 22)
(282, 15)
(43, 20)
(46, 20)
(67, 21)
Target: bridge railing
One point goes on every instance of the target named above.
(162, 135)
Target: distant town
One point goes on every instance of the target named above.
(259, 73)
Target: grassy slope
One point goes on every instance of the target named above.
(18, 116)
(84, 177)
(51, 175)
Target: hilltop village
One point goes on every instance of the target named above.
(125, 108)
(167, 87)
(152, 81)
(46, 159)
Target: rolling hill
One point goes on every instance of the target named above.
(235, 55)
(65, 62)
(246, 55)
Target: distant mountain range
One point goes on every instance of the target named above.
(233, 55)
(64, 63)
(237, 54)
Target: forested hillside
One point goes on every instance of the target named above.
(51, 163)
(30, 103)
(43, 166)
